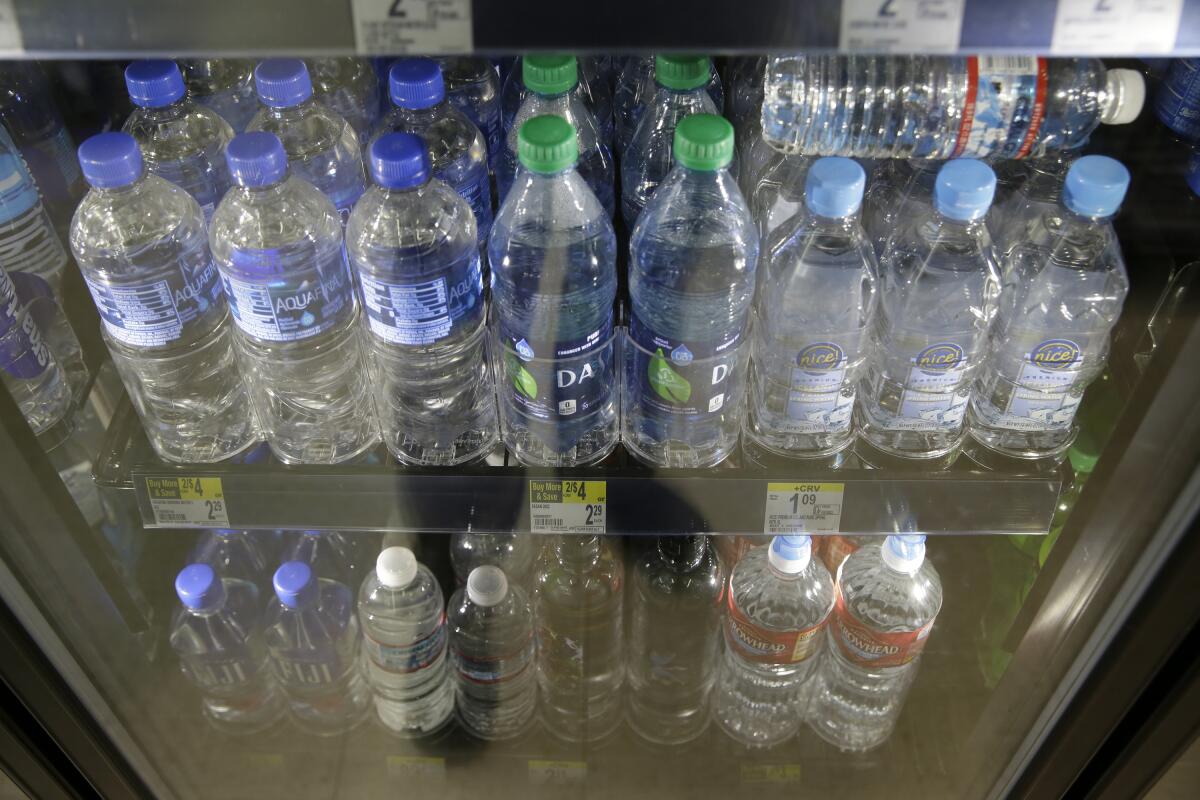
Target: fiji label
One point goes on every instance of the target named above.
(158, 313)
(188, 502)
(408, 658)
(558, 381)
(427, 312)
(308, 670)
(1004, 108)
(816, 402)
(223, 673)
(686, 379)
(578, 507)
(803, 508)
(870, 648)
(935, 396)
(766, 646)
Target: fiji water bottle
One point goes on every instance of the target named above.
(28, 241)
(474, 88)
(29, 370)
(235, 554)
(330, 554)
(224, 85)
(350, 88)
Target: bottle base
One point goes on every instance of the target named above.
(675, 734)
(847, 746)
(503, 735)
(759, 454)
(1002, 459)
(436, 728)
(878, 457)
(567, 726)
(322, 455)
(677, 454)
(469, 447)
(530, 451)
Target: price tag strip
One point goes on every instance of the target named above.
(401, 27)
(188, 502)
(901, 26)
(568, 506)
(544, 772)
(1105, 27)
(803, 508)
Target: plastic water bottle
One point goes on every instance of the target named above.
(551, 82)
(514, 553)
(330, 554)
(674, 638)
(278, 243)
(591, 90)
(939, 291)
(457, 148)
(321, 146)
(1177, 103)
(691, 281)
(234, 554)
(888, 596)
(780, 599)
(776, 191)
(554, 280)
(1038, 193)
(28, 240)
(350, 88)
(223, 85)
(402, 614)
(1064, 285)
(493, 655)
(577, 607)
(411, 241)
(474, 89)
(901, 191)
(218, 636)
(143, 249)
(812, 321)
(745, 82)
(635, 87)
(312, 635)
(679, 92)
(942, 107)
(29, 370)
(180, 140)
(836, 549)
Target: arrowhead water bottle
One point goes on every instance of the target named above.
(1064, 285)
(691, 282)
(180, 140)
(474, 89)
(939, 290)
(29, 370)
(235, 554)
(514, 553)
(679, 92)
(492, 655)
(635, 86)
(28, 240)
(224, 85)
(218, 636)
(888, 596)
(402, 614)
(554, 280)
(779, 600)
(278, 243)
(321, 146)
(674, 638)
(812, 320)
(411, 240)
(350, 88)
(591, 90)
(142, 247)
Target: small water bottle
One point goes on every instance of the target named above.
(28, 240)
(28, 367)
(142, 247)
(411, 241)
(278, 243)
(321, 147)
(515, 553)
(901, 191)
(774, 183)
(474, 89)
(330, 554)
(402, 614)
(223, 85)
(234, 554)
(180, 140)
(635, 86)
(350, 88)
(592, 90)
(1038, 193)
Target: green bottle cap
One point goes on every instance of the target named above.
(547, 144)
(549, 74)
(704, 142)
(682, 72)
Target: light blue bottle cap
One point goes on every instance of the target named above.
(282, 82)
(199, 587)
(904, 552)
(416, 83)
(1095, 186)
(834, 187)
(110, 159)
(399, 161)
(295, 584)
(155, 83)
(256, 159)
(964, 189)
(790, 554)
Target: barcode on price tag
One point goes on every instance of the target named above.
(400, 27)
(1112, 27)
(901, 26)
(188, 502)
(803, 508)
(568, 506)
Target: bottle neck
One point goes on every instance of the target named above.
(423, 116)
(125, 191)
(577, 549)
(301, 109)
(682, 553)
(171, 111)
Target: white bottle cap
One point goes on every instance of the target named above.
(486, 585)
(904, 552)
(1126, 90)
(790, 554)
(396, 567)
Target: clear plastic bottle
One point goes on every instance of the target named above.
(679, 92)
(331, 554)
(812, 321)
(551, 82)
(350, 88)
(577, 609)
(312, 634)
(780, 598)
(411, 241)
(776, 192)
(29, 370)
(402, 614)
(1064, 286)
(321, 146)
(939, 292)
(474, 89)
(888, 596)
(218, 636)
(278, 243)
(515, 553)
(745, 81)
(1038, 192)
(901, 192)
(142, 247)
(591, 90)
(224, 85)
(691, 282)
(836, 549)
(942, 107)
(181, 141)
(493, 655)
(635, 87)
(554, 281)
(674, 638)
(28, 239)
(234, 554)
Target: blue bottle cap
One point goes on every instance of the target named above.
(199, 587)
(256, 159)
(834, 187)
(282, 82)
(964, 189)
(154, 83)
(416, 83)
(110, 159)
(399, 161)
(1095, 186)
(295, 584)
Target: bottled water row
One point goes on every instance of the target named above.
(537, 630)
